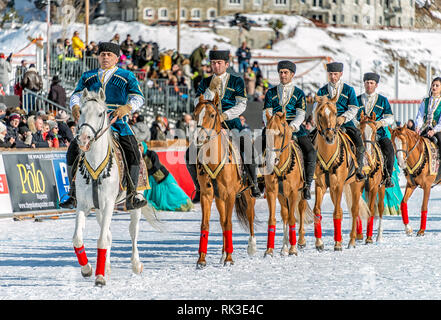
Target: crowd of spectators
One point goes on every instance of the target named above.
(19, 129)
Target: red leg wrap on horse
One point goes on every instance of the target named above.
(271, 236)
(423, 220)
(81, 255)
(337, 229)
(370, 227)
(292, 235)
(359, 226)
(228, 238)
(404, 214)
(101, 262)
(203, 242)
(318, 227)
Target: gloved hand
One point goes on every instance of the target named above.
(215, 84)
(122, 111)
(340, 121)
(76, 112)
(378, 124)
(224, 116)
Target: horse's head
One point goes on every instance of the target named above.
(278, 134)
(208, 119)
(326, 117)
(93, 117)
(368, 130)
(402, 140)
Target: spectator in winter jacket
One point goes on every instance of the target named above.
(77, 45)
(37, 138)
(57, 93)
(32, 80)
(13, 131)
(243, 56)
(4, 141)
(64, 132)
(5, 70)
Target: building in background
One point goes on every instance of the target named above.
(359, 13)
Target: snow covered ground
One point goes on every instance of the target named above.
(37, 261)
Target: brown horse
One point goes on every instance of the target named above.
(416, 156)
(220, 178)
(374, 174)
(335, 169)
(283, 179)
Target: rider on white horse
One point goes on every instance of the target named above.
(123, 96)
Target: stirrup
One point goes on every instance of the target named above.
(132, 202)
(70, 203)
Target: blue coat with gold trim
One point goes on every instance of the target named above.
(235, 88)
(297, 101)
(121, 84)
(346, 99)
(381, 109)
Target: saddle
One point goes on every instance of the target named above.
(433, 159)
(143, 181)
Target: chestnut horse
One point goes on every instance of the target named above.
(220, 178)
(374, 176)
(283, 179)
(335, 169)
(414, 153)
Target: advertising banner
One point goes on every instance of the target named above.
(5, 202)
(32, 180)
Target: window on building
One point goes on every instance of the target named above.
(320, 3)
(355, 19)
(380, 20)
(356, 2)
(368, 20)
(195, 14)
(334, 18)
(257, 2)
(234, 1)
(411, 22)
(149, 13)
(399, 21)
(211, 13)
(183, 13)
(368, 2)
(314, 3)
(163, 14)
(342, 18)
(411, 3)
(280, 2)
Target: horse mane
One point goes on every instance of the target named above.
(322, 102)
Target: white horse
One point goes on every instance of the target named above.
(95, 139)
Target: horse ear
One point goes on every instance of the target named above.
(85, 93)
(318, 99)
(102, 94)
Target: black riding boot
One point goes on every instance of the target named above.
(194, 176)
(388, 179)
(252, 177)
(309, 176)
(71, 202)
(134, 200)
(359, 173)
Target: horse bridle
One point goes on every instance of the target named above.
(96, 133)
(323, 133)
(208, 130)
(407, 151)
(280, 150)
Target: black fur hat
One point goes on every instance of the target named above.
(334, 67)
(109, 47)
(285, 64)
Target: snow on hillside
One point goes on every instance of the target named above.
(369, 50)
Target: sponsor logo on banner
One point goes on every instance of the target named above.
(31, 180)
(5, 201)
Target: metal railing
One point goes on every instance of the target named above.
(34, 101)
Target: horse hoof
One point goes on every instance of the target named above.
(268, 254)
(252, 246)
(359, 237)
(301, 246)
(228, 263)
(338, 247)
(100, 281)
(201, 265)
(369, 240)
(320, 248)
(86, 270)
(137, 267)
(284, 252)
(408, 230)
(292, 251)
(420, 233)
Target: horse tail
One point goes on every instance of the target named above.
(241, 206)
(308, 215)
(364, 212)
(149, 214)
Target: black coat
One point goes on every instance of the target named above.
(57, 94)
(155, 167)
